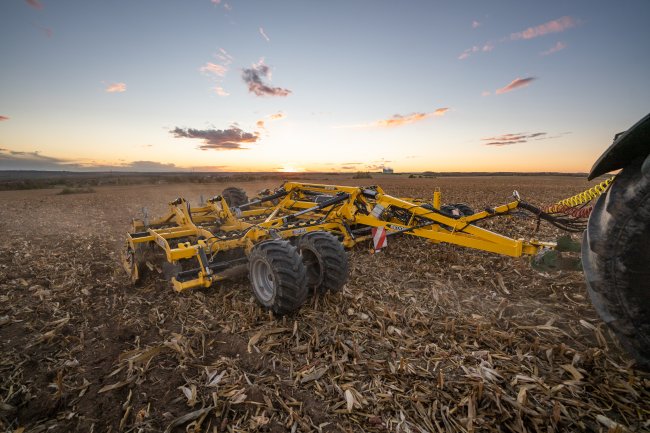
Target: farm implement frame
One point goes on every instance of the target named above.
(203, 234)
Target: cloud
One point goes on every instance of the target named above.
(217, 71)
(485, 93)
(21, 160)
(264, 35)
(554, 49)
(216, 2)
(486, 47)
(3, 118)
(253, 77)
(261, 124)
(116, 88)
(220, 91)
(508, 139)
(475, 24)
(35, 4)
(555, 26)
(48, 31)
(225, 58)
(213, 69)
(218, 139)
(400, 119)
(515, 84)
(277, 116)
(151, 166)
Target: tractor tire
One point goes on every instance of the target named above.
(325, 260)
(278, 277)
(616, 259)
(234, 196)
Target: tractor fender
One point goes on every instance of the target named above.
(626, 147)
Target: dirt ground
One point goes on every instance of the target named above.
(423, 338)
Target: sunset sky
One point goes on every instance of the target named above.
(243, 85)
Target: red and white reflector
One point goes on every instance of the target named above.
(379, 238)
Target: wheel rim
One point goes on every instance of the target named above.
(263, 281)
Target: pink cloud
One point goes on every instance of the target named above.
(475, 24)
(213, 68)
(485, 93)
(554, 49)
(3, 118)
(35, 4)
(264, 35)
(400, 119)
(220, 91)
(487, 47)
(116, 88)
(508, 139)
(555, 26)
(515, 84)
(216, 2)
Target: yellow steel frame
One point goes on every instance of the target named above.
(297, 213)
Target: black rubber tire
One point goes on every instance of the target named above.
(278, 277)
(325, 260)
(616, 259)
(234, 196)
(462, 208)
(448, 209)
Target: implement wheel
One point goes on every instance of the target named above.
(278, 276)
(616, 259)
(326, 261)
(234, 196)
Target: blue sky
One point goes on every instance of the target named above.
(305, 85)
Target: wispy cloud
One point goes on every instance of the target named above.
(225, 58)
(21, 160)
(400, 119)
(276, 116)
(116, 88)
(254, 76)
(508, 139)
(218, 139)
(515, 84)
(46, 30)
(35, 4)
(216, 2)
(217, 71)
(264, 35)
(555, 26)
(487, 47)
(554, 49)
(476, 24)
(213, 69)
(220, 91)
(3, 118)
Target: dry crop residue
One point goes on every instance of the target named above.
(424, 338)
